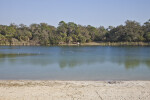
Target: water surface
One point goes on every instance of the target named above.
(74, 63)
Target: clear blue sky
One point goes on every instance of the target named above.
(84, 12)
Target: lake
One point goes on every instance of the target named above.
(74, 63)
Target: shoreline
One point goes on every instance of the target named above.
(87, 44)
(74, 90)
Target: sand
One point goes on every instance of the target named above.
(74, 90)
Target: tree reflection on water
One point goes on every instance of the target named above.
(129, 62)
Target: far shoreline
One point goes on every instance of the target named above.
(85, 44)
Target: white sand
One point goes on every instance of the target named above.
(74, 90)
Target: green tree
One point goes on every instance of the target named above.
(2, 39)
(147, 36)
(92, 32)
(146, 28)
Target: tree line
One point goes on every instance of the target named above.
(68, 33)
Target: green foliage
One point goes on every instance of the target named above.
(44, 34)
(81, 39)
(131, 32)
(2, 39)
(147, 36)
(54, 40)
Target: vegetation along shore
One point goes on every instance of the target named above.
(131, 33)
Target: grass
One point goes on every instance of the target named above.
(118, 43)
(93, 44)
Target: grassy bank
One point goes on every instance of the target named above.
(111, 44)
(86, 44)
(118, 43)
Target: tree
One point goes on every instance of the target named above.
(62, 28)
(114, 34)
(100, 36)
(92, 32)
(2, 39)
(44, 34)
(134, 30)
(71, 28)
(146, 28)
(147, 36)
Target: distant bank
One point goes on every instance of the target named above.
(114, 44)
(132, 33)
(82, 44)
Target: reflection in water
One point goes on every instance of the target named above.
(72, 61)
(13, 55)
(87, 63)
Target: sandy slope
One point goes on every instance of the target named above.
(74, 90)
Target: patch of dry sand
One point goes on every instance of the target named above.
(74, 90)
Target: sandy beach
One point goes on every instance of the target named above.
(74, 90)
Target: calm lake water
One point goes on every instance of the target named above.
(74, 63)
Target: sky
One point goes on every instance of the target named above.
(85, 12)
